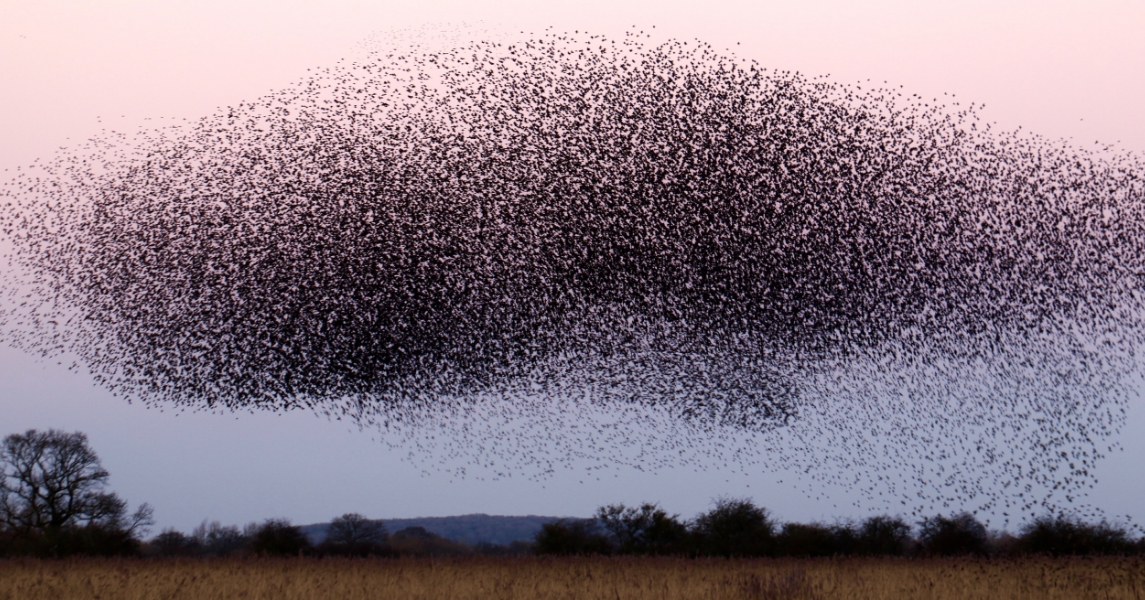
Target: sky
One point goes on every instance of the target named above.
(72, 68)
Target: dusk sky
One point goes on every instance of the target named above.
(72, 69)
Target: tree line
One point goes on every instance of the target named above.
(349, 535)
(54, 503)
(740, 528)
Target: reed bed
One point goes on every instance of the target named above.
(572, 578)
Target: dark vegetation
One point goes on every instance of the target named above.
(53, 503)
(473, 529)
(53, 500)
(739, 528)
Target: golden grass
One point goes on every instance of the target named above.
(572, 578)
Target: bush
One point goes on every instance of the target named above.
(846, 537)
(7, 542)
(514, 548)
(1004, 544)
(883, 536)
(419, 541)
(644, 530)
(959, 534)
(354, 535)
(569, 537)
(174, 543)
(813, 540)
(85, 540)
(735, 527)
(215, 539)
(277, 537)
(1062, 536)
(97, 540)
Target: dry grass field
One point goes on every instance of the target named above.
(572, 578)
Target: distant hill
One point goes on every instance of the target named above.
(470, 529)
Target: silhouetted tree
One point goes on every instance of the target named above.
(735, 527)
(644, 530)
(354, 535)
(846, 537)
(277, 537)
(884, 536)
(215, 539)
(571, 537)
(53, 500)
(958, 534)
(1061, 535)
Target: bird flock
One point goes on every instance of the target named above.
(564, 247)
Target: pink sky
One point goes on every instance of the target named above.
(70, 68)
(1061, 69)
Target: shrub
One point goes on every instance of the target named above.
(85, 540)
(1004, 544)
(571, 537)
(514, 548)
(797, 539)
(644, 530)
(215, 539)
(7, 542)
(419, 541)
(959, 534)
(174, 543)
(883, 536)
(97, 540)
(277, 537)
(846, 537)
(354, 535)
(1062, 535)
(735, 527)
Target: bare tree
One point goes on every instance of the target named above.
(354, 534)
(353, 528)
(215, 539)
(644, 530)
(53, 481)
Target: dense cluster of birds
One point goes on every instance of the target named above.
(566, 247)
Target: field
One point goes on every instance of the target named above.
(569, 578)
